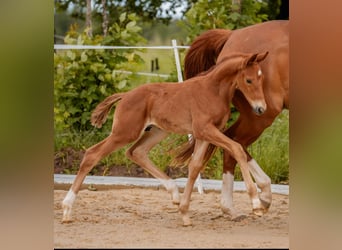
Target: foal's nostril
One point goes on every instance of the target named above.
(259, 110)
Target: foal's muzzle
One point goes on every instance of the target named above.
(259, 109)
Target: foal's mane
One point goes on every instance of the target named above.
(231, 64)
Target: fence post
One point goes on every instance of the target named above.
(178, 65)
(180, 79)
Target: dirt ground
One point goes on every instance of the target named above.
(146, 218)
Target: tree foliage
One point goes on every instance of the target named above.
(205, 15)
(147, 10)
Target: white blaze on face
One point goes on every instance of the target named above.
(259, 72)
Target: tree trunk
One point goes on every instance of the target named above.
(238, 3)
(104, 18)
(88, 19)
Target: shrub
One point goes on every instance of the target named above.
(83, 78)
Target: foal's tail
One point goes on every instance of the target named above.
(204, 51)
(99, 115)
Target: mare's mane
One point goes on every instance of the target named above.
(227, 59)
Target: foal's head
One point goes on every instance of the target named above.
(249, 81)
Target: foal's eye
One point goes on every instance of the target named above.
(249, 81)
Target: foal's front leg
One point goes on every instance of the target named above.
(214, 136)
(195, 166)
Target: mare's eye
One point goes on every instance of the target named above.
(249, 81)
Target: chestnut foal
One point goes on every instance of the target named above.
(199, 106)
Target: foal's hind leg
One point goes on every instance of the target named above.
(92, 155)
(139, 154)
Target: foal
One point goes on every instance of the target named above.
(199, 106)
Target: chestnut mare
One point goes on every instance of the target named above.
(213, 46)
(199, 106)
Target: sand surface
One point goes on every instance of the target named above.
(146, 218)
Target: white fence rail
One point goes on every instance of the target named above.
(174, 47)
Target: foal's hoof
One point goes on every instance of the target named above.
(66, 221)
(186, 221)
(175, 196)
(175, 202)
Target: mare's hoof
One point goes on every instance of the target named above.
(239, 218)
(258, 211)
(232, 214)
(265, 204)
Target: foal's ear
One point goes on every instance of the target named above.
(260, 57)
(256, 58)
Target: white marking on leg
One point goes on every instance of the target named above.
(257, 207)
(227, 194)
(172, 188)
(263, 181)
(69, 198)
(259, 175)
(199, 184)
(67, 205)
(256, 203)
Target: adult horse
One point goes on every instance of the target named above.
(199, 106)
(212, 47)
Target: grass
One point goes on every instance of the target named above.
(271, 150)
(166, 62)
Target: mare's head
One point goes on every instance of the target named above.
(249, 81)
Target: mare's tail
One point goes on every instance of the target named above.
(204, 51)
(201, 56)
(184, 153)
(99, 115)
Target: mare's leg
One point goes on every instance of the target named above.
(245, 131)
(214, 136)
(139, 154)
(195, 166)
(92, 156)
